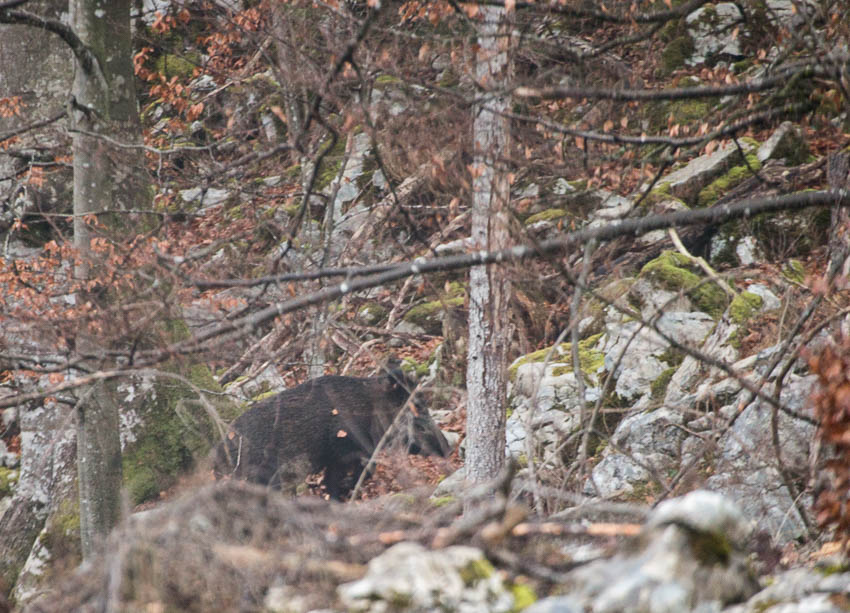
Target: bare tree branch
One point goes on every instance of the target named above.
(33, 126)
(674, 93)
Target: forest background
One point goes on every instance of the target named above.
(223, 199)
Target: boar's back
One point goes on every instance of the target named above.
(325, 422)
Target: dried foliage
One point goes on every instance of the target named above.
(832, 406)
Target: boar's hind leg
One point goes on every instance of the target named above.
(289, 475)
(341, 475)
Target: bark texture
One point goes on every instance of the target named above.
(489, 288)
(107, 178)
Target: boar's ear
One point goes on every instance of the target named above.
(396, 375)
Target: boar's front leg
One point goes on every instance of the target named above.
(342, 474)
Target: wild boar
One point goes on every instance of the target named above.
(332, 423)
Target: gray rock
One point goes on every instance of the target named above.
(690, 557)
(635, 351)
(747, 470)
(615, 475)
(457, 578)
(712, 29)
(748, 251)
(554, 604)
(453, 485)
(800, 590)
(652, 440)
(790, 13)
(612, 206)
(769, 300)
(654, 299)
(206, 198)
(686, 182)
(786, 141)
(544, 399)
(405, 327)
(706, 512)
(249, 387)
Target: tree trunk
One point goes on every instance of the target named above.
(838, 175)
(34, 69)
(489, 289)
(108, 177)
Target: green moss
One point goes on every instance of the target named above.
(175, 66)
(449, 78)
(794, 271)
(524, 596)
(476, 570)
(442, 501)
(591, 359)
(385, 80)
(263, 395)
(643, 491)
(675, 53)
(691, 110)
(547, 215)
(714, 190)
(176, 428)
(426, 315)
(672, 270)
(331, 164)
(61, 534)
(64, 523)
(744, 306)
(8, 478)
(672, 357)
(834, 568)
(372, 313)
(711, 548)
(659, 386)
(419, 369)
(661, 193)
(766, 605)
(404, 498)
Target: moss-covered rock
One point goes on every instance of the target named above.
(372, 313)
(676, 272)
(524, 596)
(61, 534)
(172, 65)
(658, 388)
(744, 306)
(331, 163)
(429, 315)
(8, 479)
(794, 271)
(547, 215)
(175, 428)
(714, 190)
(475, 570)
(676, 53)
(590, 358)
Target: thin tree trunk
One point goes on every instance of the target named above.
(108, 177)
(489, 289)
(838, 175)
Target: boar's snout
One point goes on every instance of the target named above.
(425, 438)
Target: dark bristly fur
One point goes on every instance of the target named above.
(330, 422)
